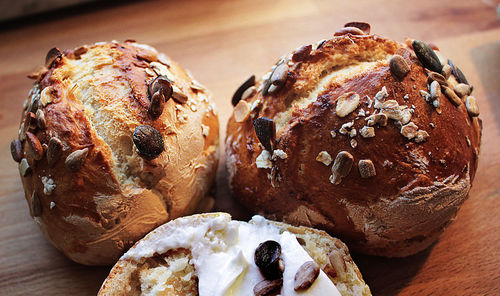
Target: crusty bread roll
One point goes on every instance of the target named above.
(209, 254)
(115, 140)
(369, 139)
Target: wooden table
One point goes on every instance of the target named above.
(222, 43)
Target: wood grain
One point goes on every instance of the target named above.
(224, 42)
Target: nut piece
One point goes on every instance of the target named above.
(34, 148)
(157, 104)
(365, 27)
(349, 30)
(433, 76)
(366, 168)
(446, 72)
(241, 111)
(237, 96)
(265, 129)
(306, 275)
(178, 95)
(367, 132)
(324, 157)
(347, 103)
(472, 107)
(462, 90)
(409, 131)
(54, 150)
(53, 55)
(302, 53)
(249, 92)
(149, 141)
(267, 258)
(24, 167)
(265, 287)
(421, 136)
(399, 67)
(16, 150)
(337, 261)
(75, 160)
(454, 99)
(380, 119)
(36, 206)
(427, 56)
(341, 166)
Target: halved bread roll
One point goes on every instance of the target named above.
(210, 254)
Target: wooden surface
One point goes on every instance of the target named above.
(222, 43)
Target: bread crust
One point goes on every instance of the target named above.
(93, 97)
(419, 185)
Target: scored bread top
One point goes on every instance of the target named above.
(92, 99)
(404, 178)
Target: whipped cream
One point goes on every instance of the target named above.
(223, 254)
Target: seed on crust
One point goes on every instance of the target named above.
(337, 261)
(238, 94)
(324, 157)
(40, 119)
(34, 146)
(472, 106)
(265, 129)
(36, 205)
(421, 136)
(54, 150)
(459, 75)
(30, 122)
(267, 258)
(349, 30)
(433, 76)
(399, 67)
(279, 76)
(462, 90)
(409, 130)
(427, 56)
(452, 96)
(446, 71)
(24, 167)
(157, 104)
(365, 27)
(306, 275)
(75, 160)
(302, 53)
(366, 168)
(16, 150)
(53, 55)
(148, 141)
(241, 111)
(341, 166)
(379, 118)
(267, 288)
(347, 103)
(435, 90)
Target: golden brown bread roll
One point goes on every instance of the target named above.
(115, 140)
(360, 136)
(210, 254)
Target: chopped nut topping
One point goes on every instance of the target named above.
(472, 106)
(24, 167)
(409, 130)
(346, 127)
(263, 161)
(248, 92)
(354, 143)
(324, 157)
(462, 90)
(446, 71)
(422, 136)
(278, 153)
(366, 168)
(46, 96)
(392, 110)
(341, 166)
(380, 119)
(347, 103)
(452, 96)
(380, 97)
(333, 134)
(48, 185)
(367, 132)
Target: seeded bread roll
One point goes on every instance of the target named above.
(115, 140)
(157, 265)
(370, 139)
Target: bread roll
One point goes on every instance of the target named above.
(115, 140)
(357, 135)
(208, 254)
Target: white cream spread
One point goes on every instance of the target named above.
(223, 254)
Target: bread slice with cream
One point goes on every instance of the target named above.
(211, 254)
